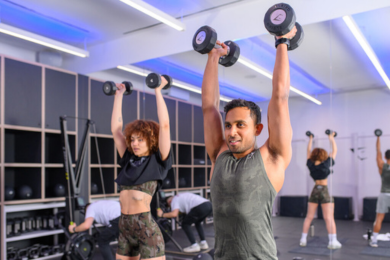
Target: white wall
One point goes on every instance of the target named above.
(354, 116)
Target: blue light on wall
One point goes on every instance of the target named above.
(29, 20)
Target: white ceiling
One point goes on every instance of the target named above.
(329, 58)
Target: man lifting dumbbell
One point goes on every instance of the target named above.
(246, 179)
(383, 204)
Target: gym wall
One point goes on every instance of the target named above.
(354, 116)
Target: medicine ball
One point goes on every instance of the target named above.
(9, 193)
(166, 183)
(59, 190)
(25, 192)
(182, 182)
(94, 188)
(202, 256)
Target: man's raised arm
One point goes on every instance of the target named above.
(279, 126)
(213, 128)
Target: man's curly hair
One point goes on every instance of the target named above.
(147, 129)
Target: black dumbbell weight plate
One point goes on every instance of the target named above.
(279, 19)
(204, 39)
(308, 133)
(378, 132)
(109, 88)
(153, 80)
(296, 41)
(328, 132)
(169, 84)
(129, 87)
(233, 55)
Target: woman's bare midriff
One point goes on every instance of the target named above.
(134, 202)
(322, 182)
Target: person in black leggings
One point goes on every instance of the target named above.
(196, 209)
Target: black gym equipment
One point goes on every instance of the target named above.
(165, 224)
(25, 192)
(378, 132)
(308, 133)
(203, 256)
(9, 228)
(166, 183)
(94, 188)
(205, 39)
(279, 20)
(17, 227)
(109, 88)
(328, 132)
(9, 193)
(12, 253)
(79, 245)
(38, 223)
(33, 252)
(153, 80)
(59, 190)
(23, 253)
(182, 182)
(212, 253)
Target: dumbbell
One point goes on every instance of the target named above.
(153, 80)
(23, 253)
(33, 252)
(12, 253)
(308, 133)
(378, 132)
(44, 250)
(205, 39)
(109, 88)
(280, 20)
(328, 132)
(55, 250)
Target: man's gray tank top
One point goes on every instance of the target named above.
(385, 176)
(242, 198)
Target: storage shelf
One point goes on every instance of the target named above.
(116, 198)
(23, 128)
(35, 234)
(21, 165)
(53, 131)
(36, 206)
(107, 195)
(49, 256)
(100, 135)
(103, 165)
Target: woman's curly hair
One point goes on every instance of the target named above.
(147, 129)
(318, 154)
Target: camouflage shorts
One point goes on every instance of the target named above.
(139, 234)
(320, 194)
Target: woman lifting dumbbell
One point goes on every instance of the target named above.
(145, 151)
(383, 203)
(319, 163)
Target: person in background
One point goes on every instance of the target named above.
(104, 212)
(196, 209)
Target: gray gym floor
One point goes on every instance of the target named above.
(288, 232)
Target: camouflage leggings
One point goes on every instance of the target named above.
(139, 234)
